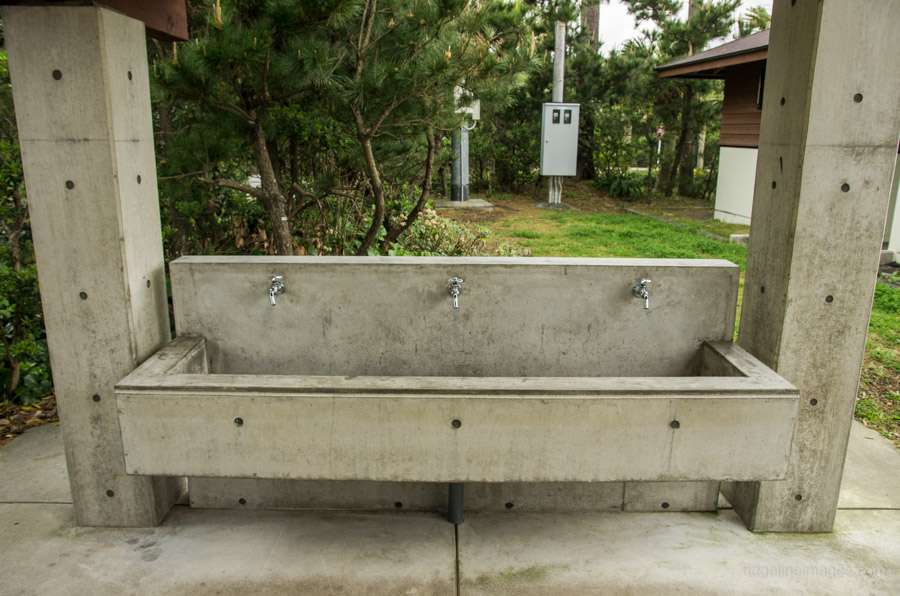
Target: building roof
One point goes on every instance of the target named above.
(709, 64)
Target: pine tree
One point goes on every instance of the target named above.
(675, 39)
(380, 73)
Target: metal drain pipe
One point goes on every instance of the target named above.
(455, 503)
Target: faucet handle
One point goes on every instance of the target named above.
(641, 291)
(276, 288)
(453, 288)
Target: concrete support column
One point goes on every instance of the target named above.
(701, 148)
(459, 174)
(829, 135)
(555, 183)
(81, 92)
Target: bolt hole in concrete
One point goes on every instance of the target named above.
(83, 295)
(798, 497)
(129, 75)
(773, 184)
(782, 101)
(845, 187)
(139, 178)
(762, 289)
(239, 422)
(57, 74)
(398, 505)
(70, 185)
(110, 493)
(857, 98)
(813, 402)
(96, 397)
(509, 505)
(456, 424)
(665, 505)
(675, 424)
(829, 299)
(242, 501)
(148, 283)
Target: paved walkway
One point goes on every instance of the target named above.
(201, 552)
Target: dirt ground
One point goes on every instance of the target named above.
(15, 420)
(584, 197)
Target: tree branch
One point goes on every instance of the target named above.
(180, 176)
(256, 192)
(395, 233)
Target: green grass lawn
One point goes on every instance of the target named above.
(578, 234)
(547, 232)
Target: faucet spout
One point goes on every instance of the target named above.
(276, 288)
(643, 292)
(453, 288)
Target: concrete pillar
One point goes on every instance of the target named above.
(459, 174)
(555, 183)
(828, 141)
(82, 99)
(701, 148)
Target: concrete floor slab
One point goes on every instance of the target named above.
(679, 553)
(33, 468)
(871, 471)
(227, 552)
(266, 552)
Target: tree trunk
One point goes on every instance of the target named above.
(444, 183)
(395, 233)
(590, 20)
(272, 197)
(377, 195)
(665, 163)
(652, 143)
(688, 160)
(586, 169)
(178, 240)
(674, 174)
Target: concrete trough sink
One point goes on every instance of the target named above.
(550, 370)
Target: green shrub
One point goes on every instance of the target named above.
(627, 185)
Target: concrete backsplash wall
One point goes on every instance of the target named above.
(394, 316)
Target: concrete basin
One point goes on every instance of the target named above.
(550, 370)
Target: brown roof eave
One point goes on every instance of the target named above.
(713, 68)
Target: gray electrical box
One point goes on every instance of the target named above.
(559, 139)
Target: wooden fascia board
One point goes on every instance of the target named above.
(164, 19)
(698, 69)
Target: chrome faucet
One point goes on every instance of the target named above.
(453, 289)
(276, 288)
(641, 291)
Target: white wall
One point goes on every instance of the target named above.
(734, 188)
(892, 225)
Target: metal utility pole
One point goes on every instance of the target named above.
(559, 72)
(459, 173)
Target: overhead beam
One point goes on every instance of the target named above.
(164, 19)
